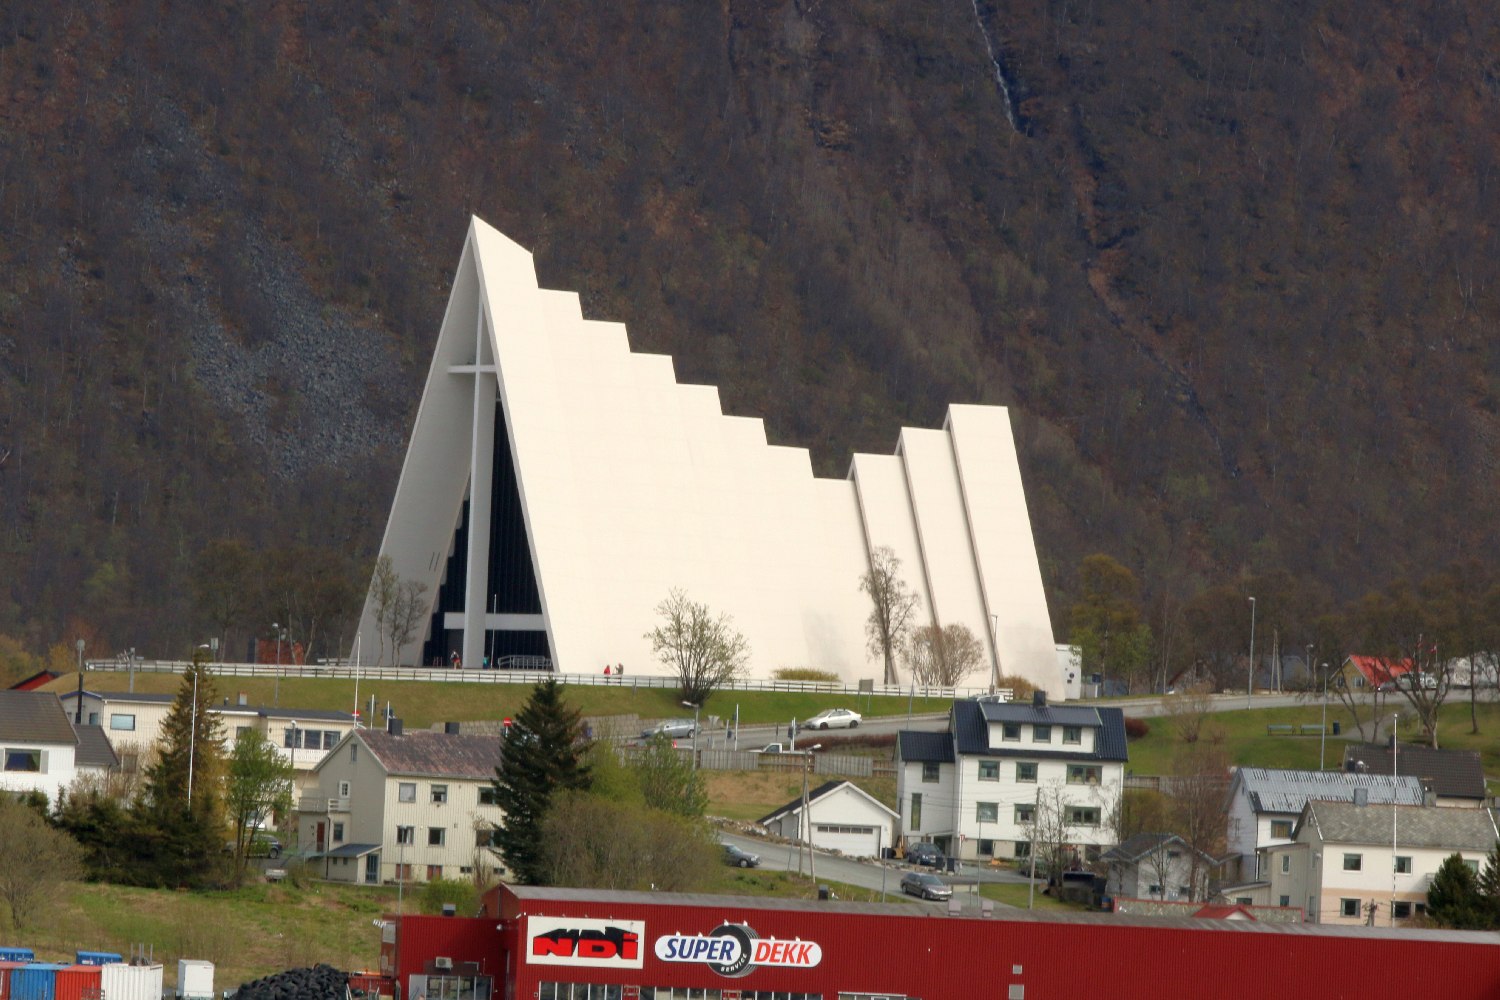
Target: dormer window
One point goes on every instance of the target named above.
(1041, 734)
(1072, 734)
(1011, 731)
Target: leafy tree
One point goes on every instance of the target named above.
(1454, 899)
(542, 755)
(1106, 621)
(1406, 624)
(224, 579)
(941, 657)
(893, 610)
(15, 662)
(669, 781)
(259, 785)
(703, 650)
(35, 861)
(183, 795)
(1200, 779)
(596, 843)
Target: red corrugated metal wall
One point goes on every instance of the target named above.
(78, 982)
(937, 957)
(420, 939)
(5, 968)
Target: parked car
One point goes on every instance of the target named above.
(260, 845)
(670, 728)
(925, 885)
(834, 718)
(925, 853)
(740, 858)
(1426, 682)
(780, 748)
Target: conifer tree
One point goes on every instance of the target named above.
(184, 789)
(542, 755)
(1453, 898)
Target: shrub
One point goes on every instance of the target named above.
(1021, 688)
(805, 674)
(1136, 728)
(463, 895)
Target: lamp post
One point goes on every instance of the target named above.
(1250, 670)
(78, 709)
(1394, 807)
(807, 816)
(193, 732)
(695, 708)
(1323, 739)
(995, 651)
(277, 633)
(131, 653)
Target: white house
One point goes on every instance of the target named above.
(843, 817)
(388, 805)
(38, 746)
(1343, 857)
(1263, 804)
(975, 790)
(1158, 866)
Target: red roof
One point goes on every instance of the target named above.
(35, 681)
(1378, 669)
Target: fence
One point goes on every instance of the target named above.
(519, 675)
(829, 765)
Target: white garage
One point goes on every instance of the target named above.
(843, 818)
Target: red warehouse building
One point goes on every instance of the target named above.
(580, 944)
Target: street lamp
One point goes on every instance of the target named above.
(695, 708)
(1250, 670)
(1323, 740)
(78, 709)
(277, 633)
(995, 651)
(1394, 807)
(807, 815)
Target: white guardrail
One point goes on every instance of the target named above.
(469, 675)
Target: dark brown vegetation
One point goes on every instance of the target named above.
(1234, 266)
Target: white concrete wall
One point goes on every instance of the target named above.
(57, 769)
(634, 484)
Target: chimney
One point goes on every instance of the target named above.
(1038, 699)
(243, 700)
(451, 728)
(1429, 794)
(1361, 796)
(393, 725)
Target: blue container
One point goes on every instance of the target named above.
(17, 955)
(97, 957)
(37, 981)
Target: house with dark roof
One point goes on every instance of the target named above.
(388, 805)
(840, 816)
(1000, 769)
(1361, 862)
(1158, 866)
(38, 747)
(95, 757)
(1448, 777)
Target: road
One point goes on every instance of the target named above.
(869, 874)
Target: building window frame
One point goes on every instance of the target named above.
(932, 772)
(122, 722)
(1403, 864)
(406, 791)
(1354, 862)
(1041, 734)
(1026, 772)
(439, 794)
(986, 812)
(989, 770)
(1072, 734)
(437, 836)
(1349, 907)
(406, 835)
(1085, 774)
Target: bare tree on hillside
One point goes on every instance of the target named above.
(894, 606)
(941, 657)
(703, 649)
(400, 605)
(35, 861)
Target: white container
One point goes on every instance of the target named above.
(195, 979)
(119, 981)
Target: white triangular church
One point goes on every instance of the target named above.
(558, 486)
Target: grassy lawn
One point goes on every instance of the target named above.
(247, 933)
(422, 703)
(1015, 894)
(1245, 739)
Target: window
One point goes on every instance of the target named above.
(1085, 774)
(1403, 864)
(1023, 848)
(239, 732)
(1011, 731)
(1025, 812)
(403, 873)
(1286, 866)
(93, 718)
(1281, 829)
(986, 812)
(1083, 815)
(1041, 734)
(338, 833)
(292, 738)
(1473, 866)
(1402, 910)
(916, 810)
(930, 772)
(434, 872)
(435, 836)
(330, 738)
(989, 770)
(23, 760)
(1153, 890)
(485, 836)
(489, 795)
(406, 791)
(439, 794)
(406, 835)
(343, 789)
(122, 721)
(1026, 771)
(1072, 734)
(987, 848)
(1354, 862)
(1349, 907)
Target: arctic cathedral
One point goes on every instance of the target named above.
(558, 486)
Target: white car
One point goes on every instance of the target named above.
(834, 718)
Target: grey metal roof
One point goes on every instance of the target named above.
(826, 788)
(94, 748)
(1416, 826)
(1139, 845)
(321, 715)
(352, 850)
(34, 717)
(1040, 715)
(1455, 774)
(123, 697)
(429, 754)
(1272, 790)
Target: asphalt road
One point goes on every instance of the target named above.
(870, 874)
